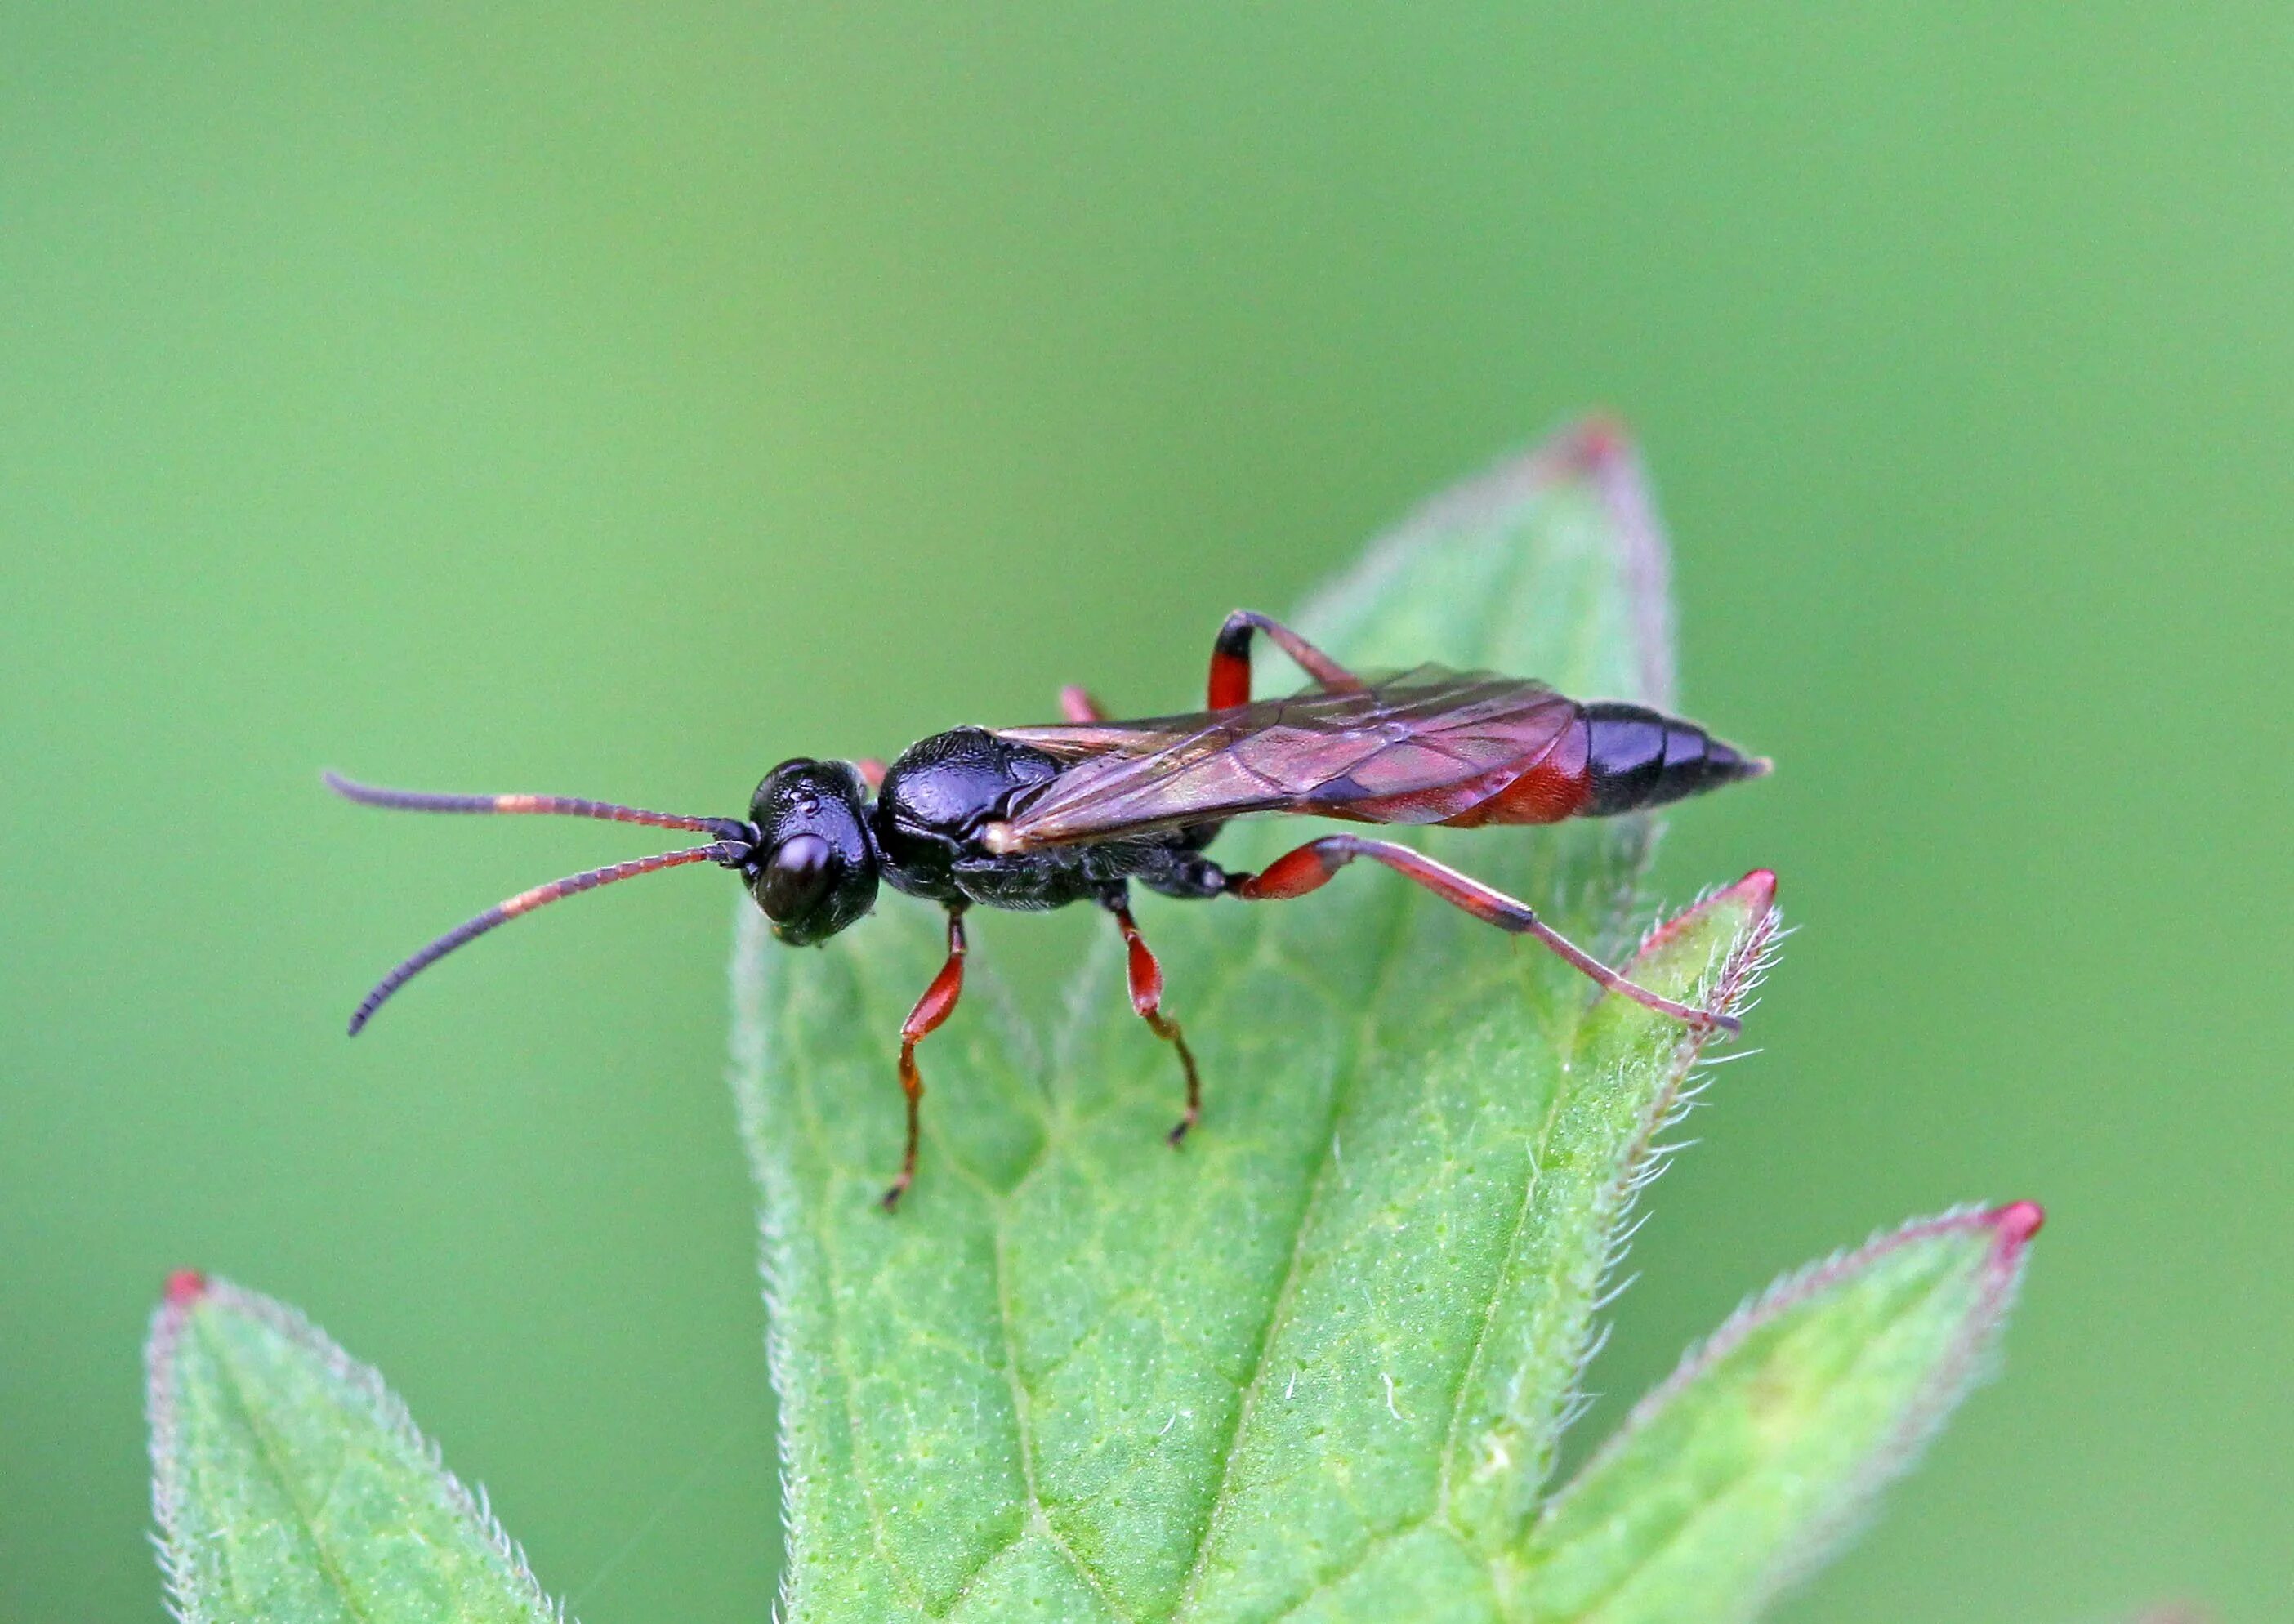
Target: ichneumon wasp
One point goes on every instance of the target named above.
(1039, 817)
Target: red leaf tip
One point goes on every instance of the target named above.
(2016, 1222)
(185, 1287)
(1756, 892)
(1602, 438)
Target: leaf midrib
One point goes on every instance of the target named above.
(236, 1386)
(1391, 934)
(1386, 957)
(1023, 1422)
(1036, 1515)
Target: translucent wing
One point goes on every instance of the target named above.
(1429, 745)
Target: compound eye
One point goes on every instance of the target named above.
(795, 879)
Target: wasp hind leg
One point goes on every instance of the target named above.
(1146, 979)
(1230, 680)
(1312, 865)
(936, 1004)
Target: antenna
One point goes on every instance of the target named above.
(559, 806)
(735, 842)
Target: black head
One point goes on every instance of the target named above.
(814, 868)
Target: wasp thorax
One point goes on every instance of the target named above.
(814, 871)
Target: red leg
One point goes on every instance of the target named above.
(934, 1007)
(871, 773)
(1230, 683)
(1310, 867)
(1078, 706)
(1147, 999)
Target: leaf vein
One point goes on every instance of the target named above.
(1389, 956)
(268, 1444)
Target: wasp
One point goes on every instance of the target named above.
(1076, 811)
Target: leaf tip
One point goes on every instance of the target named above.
(2014, 1224)
(1753, 897)
(185, 1290)
(1756, 892)
(1601, 436)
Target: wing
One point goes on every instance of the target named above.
(1426, 746)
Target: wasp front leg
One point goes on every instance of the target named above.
(1146, 978)
(936, 1004)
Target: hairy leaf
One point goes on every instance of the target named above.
(1730, 1479)
(292, 1487)
(1315, 1365)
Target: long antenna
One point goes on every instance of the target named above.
(526, 902)
(560, 806)
(735, 842)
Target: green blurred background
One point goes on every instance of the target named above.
(615, 399)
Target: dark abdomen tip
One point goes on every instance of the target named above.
(1638, 758)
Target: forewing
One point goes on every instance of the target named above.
(1417, 748)
(1076, 740)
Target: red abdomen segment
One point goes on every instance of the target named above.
(1559, 784)
(1614, 758)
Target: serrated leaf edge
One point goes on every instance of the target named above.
(1732, 989)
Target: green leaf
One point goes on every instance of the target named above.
(292, 1487)
(1770, 1442)
(1316, 1364)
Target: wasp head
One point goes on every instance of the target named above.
(814, 868)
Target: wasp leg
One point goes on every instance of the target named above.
(1230, 683)
(1078, 706)
(1147, 998)
(934, 1007)
(1310, 867)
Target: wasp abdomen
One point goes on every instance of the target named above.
(1637, 758)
